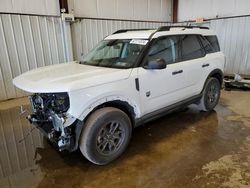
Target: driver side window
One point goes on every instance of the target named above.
(166, 48)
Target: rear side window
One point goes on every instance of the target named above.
(214, 42)
(191, 48)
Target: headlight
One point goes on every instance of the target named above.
(57, 102)
(60, 102)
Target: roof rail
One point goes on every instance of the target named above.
(126, 30)
(162, 28)
(167, 28)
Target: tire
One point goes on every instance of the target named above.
(211, 95)
(106, 135)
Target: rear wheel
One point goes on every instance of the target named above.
(106, 135)
(211, 95)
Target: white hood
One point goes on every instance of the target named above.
(67, 77)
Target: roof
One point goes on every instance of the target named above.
(162, 31)
(141, 34)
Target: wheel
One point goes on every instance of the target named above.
(106, 135)
(211, 95)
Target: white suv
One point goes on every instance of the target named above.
(129, 78)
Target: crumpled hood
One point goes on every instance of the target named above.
(67, 77)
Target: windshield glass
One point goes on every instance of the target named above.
(120, 53)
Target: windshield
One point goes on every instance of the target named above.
(120, 53)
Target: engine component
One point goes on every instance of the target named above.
(50, 115)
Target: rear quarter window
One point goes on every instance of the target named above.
(214, 42)
(206, 45)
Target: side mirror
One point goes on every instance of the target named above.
(155, 64)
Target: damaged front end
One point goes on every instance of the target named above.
(49, 114)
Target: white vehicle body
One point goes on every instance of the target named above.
(145, 91)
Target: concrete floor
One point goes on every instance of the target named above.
(185, 149)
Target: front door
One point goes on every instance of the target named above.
(160, 88)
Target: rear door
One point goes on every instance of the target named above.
(213, 54)
(192, 59)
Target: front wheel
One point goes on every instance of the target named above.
(211, 95)
(106, 135)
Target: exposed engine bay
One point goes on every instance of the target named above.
(49, 114)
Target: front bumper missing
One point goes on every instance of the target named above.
(64, 138)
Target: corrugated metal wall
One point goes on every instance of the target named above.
(234, 38)
(191, 9)
(38, 7)
(86, 33)
(27, 42)
(154, 10)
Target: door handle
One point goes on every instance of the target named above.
(205, 65)
(177, 72)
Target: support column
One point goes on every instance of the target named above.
(175, 11)
(67, 40)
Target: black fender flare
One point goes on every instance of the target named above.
(217, 73)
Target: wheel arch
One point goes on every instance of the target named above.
(216, 73)
(125, 105)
